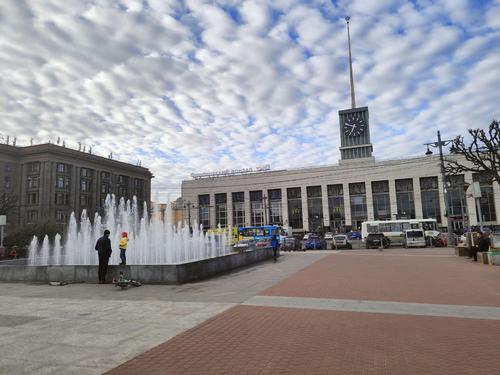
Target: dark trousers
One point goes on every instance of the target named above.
(103, 267)
(123, 256)
(473, 253)
(275, 250)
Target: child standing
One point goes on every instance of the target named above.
(123, 247)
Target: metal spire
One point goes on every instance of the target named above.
(353, 97)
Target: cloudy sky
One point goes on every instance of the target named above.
(193, 85)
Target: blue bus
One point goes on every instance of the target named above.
(257, 232)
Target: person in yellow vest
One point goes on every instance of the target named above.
(123, 248)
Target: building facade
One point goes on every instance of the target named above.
(49, 182)
(341, 197)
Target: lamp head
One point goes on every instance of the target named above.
(428, 152)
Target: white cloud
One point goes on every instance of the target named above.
(189, 86)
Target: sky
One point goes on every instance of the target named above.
(194, 86)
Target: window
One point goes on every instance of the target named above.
(84, 201)
(62, 199)
(315, 208)
(61, 217)
(85, 172)
(275, 214)
(8, 167)
(105, 188)
(33, 198)
(105, 175)
(256, 208)
(404, 199)
(32, 216)
(336, 206)
(84, 186)
(430, 198)
(238, 209)
(60, 182)
(381, 200)
(34, 167)
(456, 195)
(61, 168)
(487, 201)
(221, 209)
(357, 195)
(204, 210)
(33, 182)
(294, 207)
(7, 182)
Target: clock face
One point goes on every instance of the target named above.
(354, 124)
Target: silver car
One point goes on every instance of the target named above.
(341, 241)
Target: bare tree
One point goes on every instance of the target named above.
(481, 155)
(7, 203)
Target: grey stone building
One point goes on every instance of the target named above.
(50, 181)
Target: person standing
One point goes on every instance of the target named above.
(123, 248)
(483, 244)
(275, 244)
(103, 248)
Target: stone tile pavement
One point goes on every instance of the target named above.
(91, 328)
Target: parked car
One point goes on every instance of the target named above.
(245, 244)
(263, 242)
(415, 238)
(354, 235)
(315, 242)
(328, 236)
(306, 236)
(291, 244)
(377, 240)
(341, 241)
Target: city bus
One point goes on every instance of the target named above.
(395, 229)
(258, 232)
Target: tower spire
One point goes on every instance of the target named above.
(353, 97)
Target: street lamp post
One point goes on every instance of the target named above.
(439, 144)
(189, 205)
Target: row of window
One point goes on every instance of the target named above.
(268, 210)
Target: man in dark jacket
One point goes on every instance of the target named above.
(483, 244)
(103, 247)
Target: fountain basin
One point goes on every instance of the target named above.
(148, 274)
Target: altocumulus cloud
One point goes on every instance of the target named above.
(190, 86)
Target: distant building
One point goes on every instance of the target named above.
(51, 181)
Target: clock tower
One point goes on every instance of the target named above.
(354, 124)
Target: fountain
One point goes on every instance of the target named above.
(158, 251)
(151, 241)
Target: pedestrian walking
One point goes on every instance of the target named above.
(103, 248)
(123, 248)
(275, 244)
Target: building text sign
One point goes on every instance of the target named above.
(231, 172)
(3, 220)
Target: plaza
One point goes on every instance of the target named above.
(321, 312)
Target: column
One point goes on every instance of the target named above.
(444, 221)
(229, 209)
(248, 220)
(347, 204)
(213, 223)
(305, 208)
(284, 208)
(471, 202)
(324, 201)
(417, 198)
(393, 199)
(369, 201)
(496, 198)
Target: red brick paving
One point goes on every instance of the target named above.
(263, 340)
(383, 277)
(269, 340)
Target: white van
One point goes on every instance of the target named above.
(415, 238)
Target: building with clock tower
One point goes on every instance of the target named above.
(354, 124)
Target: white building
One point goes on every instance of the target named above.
(338, 197)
